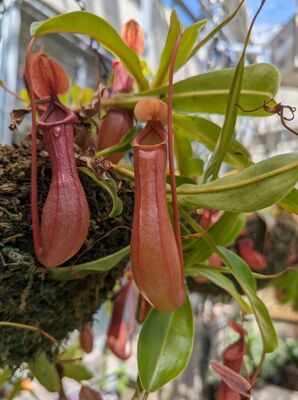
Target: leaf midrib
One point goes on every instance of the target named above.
(236, 185)
(161, 352)
(132, 99)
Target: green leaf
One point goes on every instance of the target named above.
(123, 145)
(240, 269)
(45, 372)
(162, 73)
(206, 132)
(215, 31)
(110, 187)
(219, 280)
(189, 38)
(82, 270)
(223, 232)
(246, 280)
(187, 164)
(180, 180)
(208, 93)
(195, 166)
(255, 187)
(183, 151)
(227, 131)
(164, 346)
(85, 23)
(70, 353)
(76, 371)
(290, 202)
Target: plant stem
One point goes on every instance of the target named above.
(225, 270)
(121, 170)
(140, 395)
(11, 92)
(31, 328)
(258, 369)
(171, 150)
(34, 194)
(68, 360)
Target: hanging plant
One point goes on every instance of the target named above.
(186, 213)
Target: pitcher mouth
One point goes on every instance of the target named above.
(56, 114)
(152, 136)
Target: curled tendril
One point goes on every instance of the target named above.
(278, 109)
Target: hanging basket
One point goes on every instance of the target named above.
(28, 293)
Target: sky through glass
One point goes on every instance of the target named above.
(275, 12)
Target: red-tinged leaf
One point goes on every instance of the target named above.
(133, 36)
(122, 81)
(87, 338)
(87, 393)
(234, 380)
(156, 264)
(118, 333)
(254, 259)
(47, 76)
(65, 214)
(115, 125)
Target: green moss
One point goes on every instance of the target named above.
(27, 295)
